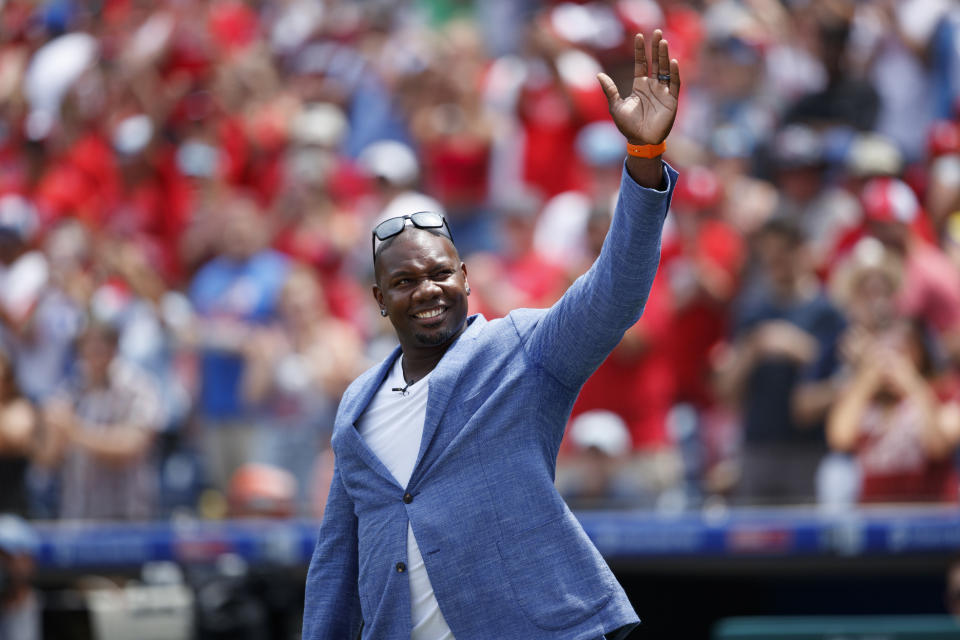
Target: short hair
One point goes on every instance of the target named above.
(786, 227)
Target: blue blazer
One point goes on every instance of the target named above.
(506, 557)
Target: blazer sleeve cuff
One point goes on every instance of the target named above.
(645, 200)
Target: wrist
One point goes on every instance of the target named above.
(647, 172)
(643, 150)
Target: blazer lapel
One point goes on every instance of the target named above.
(442, 383)
(355, 408)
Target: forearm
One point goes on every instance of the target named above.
(647, 172)
(257, 381)
(730, 375)
(18, 429)
(117, 445)
(846, 415)
(812, 400)
(581, 329)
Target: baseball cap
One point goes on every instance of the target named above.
(697, 189)
(393, 161)
(132, 134)
(889, 200)
(322, 124)
(872, 154)
(944, 138)
(603, 430)
(797, 146)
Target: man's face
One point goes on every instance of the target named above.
(893, 234)
(96, 353)
(779, 258)
(423, 286)
(874, 301)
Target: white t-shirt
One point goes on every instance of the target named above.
(392, 426)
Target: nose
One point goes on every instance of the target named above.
(427, 289)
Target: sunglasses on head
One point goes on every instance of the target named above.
(421, 220)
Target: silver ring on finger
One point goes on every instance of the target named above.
(664, 78)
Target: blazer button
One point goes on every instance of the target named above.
(401, 567)
(407, 498)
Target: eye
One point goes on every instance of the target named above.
(443, 275)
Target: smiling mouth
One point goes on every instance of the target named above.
(429, 314)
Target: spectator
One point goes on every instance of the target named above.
(103, 425)
(294, 373)
(800, 158)
(396, 171)
(780, 333)
(591, 476)
(931, 290)
(702, 257)
(889, 414)
(848, 99)
(518, 275)
(42, 344)
(562, 229)
(454, 134)
(232, 294)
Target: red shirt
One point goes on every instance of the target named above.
(893, 461)
(702, 323)
(550, 160)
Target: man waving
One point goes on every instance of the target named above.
(443, 521)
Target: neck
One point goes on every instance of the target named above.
(419, 360)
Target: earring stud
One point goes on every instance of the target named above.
(383, 312)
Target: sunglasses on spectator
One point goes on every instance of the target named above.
(421, 220)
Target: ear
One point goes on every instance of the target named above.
(463, 270)
(378, 295)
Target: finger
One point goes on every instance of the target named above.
(639, 57)
(609, 88)
(675, 78)
(663, 57)
(654, 58)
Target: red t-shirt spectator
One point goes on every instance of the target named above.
(701, 323)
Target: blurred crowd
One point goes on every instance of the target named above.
(187, 191)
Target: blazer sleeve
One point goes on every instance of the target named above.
(332, 601)
(577, 333)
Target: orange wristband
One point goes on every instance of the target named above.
(646, 150)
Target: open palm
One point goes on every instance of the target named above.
(646, 115)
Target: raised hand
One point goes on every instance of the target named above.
(646, 115)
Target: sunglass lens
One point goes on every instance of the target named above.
(388, 228)
(427, 220)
